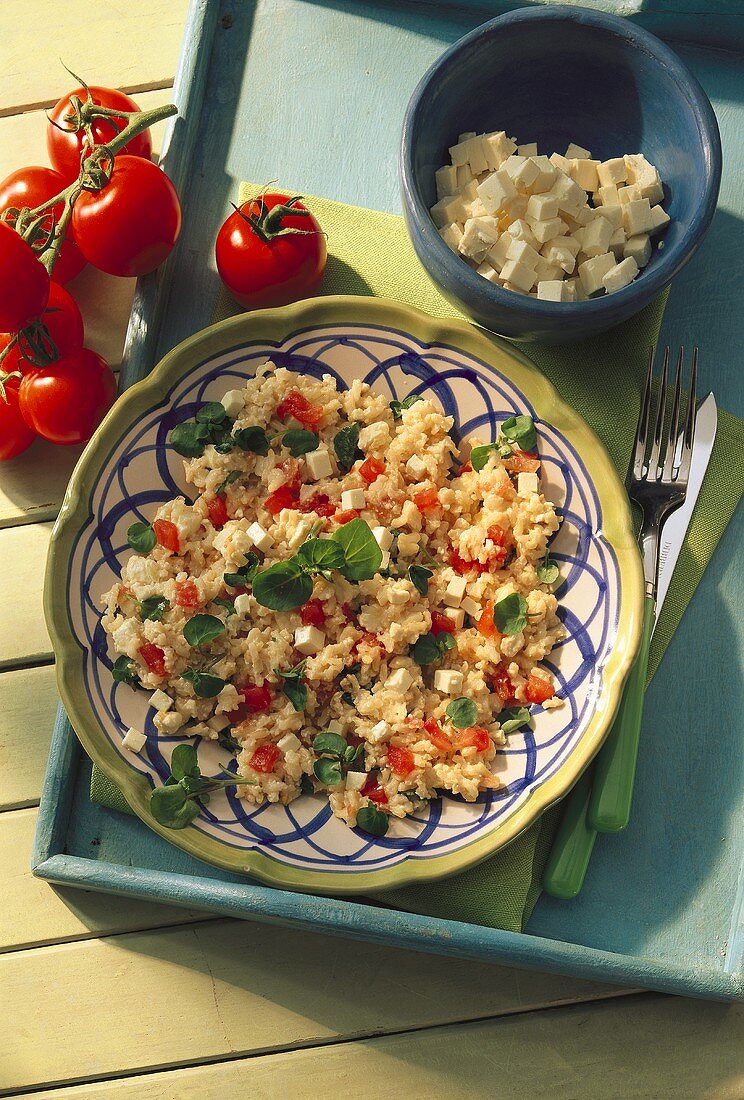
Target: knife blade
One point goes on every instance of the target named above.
(675, 528)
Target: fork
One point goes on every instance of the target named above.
(657, 483)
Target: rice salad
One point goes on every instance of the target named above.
(346, 606)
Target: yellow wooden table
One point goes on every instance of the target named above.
(104, 996)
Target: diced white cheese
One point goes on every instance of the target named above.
(242, 605)
(607, 195)
(160, 700)
(383, 536)
(542, 207)
(289, 743)
(398, 594)
(455, 591)
(416, 467)
(617, 242)
(645, 176)
(400, 680)
(497, 147)
(233, 402)
(456, 615)
(446, 181)
(228, 699)
(478, 236)
(451, 235)
(519, 230)
(584, 172)
(352, 499)
(168, 723)
(612, 171)
(639, 248)
(595, 237)
(309, 640)
(355, 780)
(546, 272)
(522, 170)
(261, 539)
(134, 740)
(528, 150)
(567, 192)
(527, 484)
(576, 152)
(469, 190)
(545, 231)
(495, 190)
(575, 290)
(378, 733)
(448, 681)
(637, 217)
(318, 463)
(620, 275)
(519, 274)
(384, 560)
(476, 155)
(218, 723)
(451, 208)
(552, 290)
(560, 162)
(593, 271)
(487, 272)
(659, 219)
(630, 193)
(561, 253)
(201, 729)
(459, 153)
(471, 607)
(521, 252)
(612, 213)
(301, 531)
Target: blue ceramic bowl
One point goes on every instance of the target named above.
(555, 75)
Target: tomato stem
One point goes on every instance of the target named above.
(267, 224)
(5, 376)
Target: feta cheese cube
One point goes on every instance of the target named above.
(617, 242)
(169, 722)
(639, 248)
(629, 193)
(398, 594)
(545, 231)
(301, 532)
(469, 191)
(309, 640)
(400, 680)
(383, 536)
(261, 539)
(233, 402)
(459, 153)
(134, 740)
(448, 681)
(495, 190)
(659, 219)
(576, 152)
(637, 217)
(464, 178)
(519, 274)
(455, 591)
(496, 254)
(595, 237)
(446, 181)
(456, 616)
(218, 723)
(567, 192)
(521, 251)
(487, 272)
(474, 243)
(542, 207)
(524, 174)
(466, 136)
(355, 780)
(607, 195)
(242, 605)
(471, 607)
(547, 272)
(451, 235)
(559, 162)
(584, 172)
(450, 209)
(352, 499)
(416, 467)
(552, 290)
(593, 271)
(613, 213)
(160, 701)
(545, 177)
(562, 254)
(476, 155)
(379, 733)
(521, 231)
(201, 729)
(575, 290)
(527, 484)
(528, 150)
(384, 560)
(620, 275)
(318, 463)
(497, 147)
(645, 176)
(583, 215)
(612, 171)
(289, 743)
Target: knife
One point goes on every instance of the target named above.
(572, 847)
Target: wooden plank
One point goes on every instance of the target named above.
(647, 1046)
(28, 701)
(24, 639)
(225, 988)
(133, 46)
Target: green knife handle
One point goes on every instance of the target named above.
(569, 857)
(614, 773)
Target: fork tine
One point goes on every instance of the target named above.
(658, 450)
(671, 458)
(684, 467)
(639, 452)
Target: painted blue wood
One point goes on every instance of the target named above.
(662, 905)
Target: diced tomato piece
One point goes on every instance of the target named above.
(295, 404)
(462, 565)
(522, 462)
(401, 760)
(264, 758)
(123, 593)
(167, 534)
(256, 698)
(371, 469)
(286, 496)
(426, 499)
(474, 737)
(312, 613)
(437, 736)
(441, 624)
(154, 658)
(374, 791)
(537, 690)
(320, 503)
(502, 684)
(346, 516)
(217, 510)
(486, 626)
(466, 467)
(187, 594)
(501, 540)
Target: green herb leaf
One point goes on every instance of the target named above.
(331, 743)
(371, 820)
(124, 671)
(431, 647)
(253, 439)
(419, 576)
(226, 741)
(548, 572)
(300, 442)
(189, 439)
(153, 608)
(206, 685)
(398, 407)
(514, 719)
(231, 477)
(141, 537)
(245, 574)
(283, 586)
(328, 771)
(172, 807)
(510, 614)
(296, 692)
(479, 456)
(363, 555)
(201, 629)
(462, 713)
(321, 555)
(212, 412)
(345, 444)
(184, 761)
(306, 785)
(520, 430)
(228, 605)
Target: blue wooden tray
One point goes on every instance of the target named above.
(662, 904)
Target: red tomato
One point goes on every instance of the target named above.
(65, 145)
(217, 510)
(264, 758)
(373, 790)
(475, 737)
(271, 252)
(312, 613)
(346, 516)
(466, 468)
(461, 565)
(500, 539)
(296, 405)
(371, 469)
(63, 322)
(437, 736)
(486, 626)
(30, 187)
(320, 503)
(167, 535)
(502, 684)
(401, 760)
(15, 434)
(24, 283)
(187, 594)
(441, 623)
(67, 400)
(256, 698)
(537, 690)
(154, 658)
(286, 496)
(522, 462)
(426, 499)
(130, 225)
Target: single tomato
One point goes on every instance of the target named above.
(437, 736)
(271, 251)
(67, 400)
(130, 226)
(63, 323)
(15, 434)
(24, 282)
(65, 141)
(217, 511)
(30, 187)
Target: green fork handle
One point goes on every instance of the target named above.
(569, 857)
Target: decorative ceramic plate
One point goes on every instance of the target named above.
(128, 470)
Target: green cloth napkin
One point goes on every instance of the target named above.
(370, 253)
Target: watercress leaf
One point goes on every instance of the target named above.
(228, 605)
(224, 447)
(306, 785)
(520, 430)
(328, 771)
(350, 753)
(445, 642)
(253, 439)
(295, 673)
(345, 444)
(321, 555)
(296, 692)
(172, 807)
(462, 712)
(548, 572)
(201, 629)
(430, 647)
(231, 477)
(184, 761)
(153, 608)
(227, 741)
(300, 442)
(371, 820)
(188, 439)
(363, 557)
(212, 412)
(514, 719)
(331, 743)
(124, 671)
(398, 407)
(479, 456)
(510, 614)
(245, 574)
(283, 586)
(206, 684)
(419, 576)
(141, 537)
